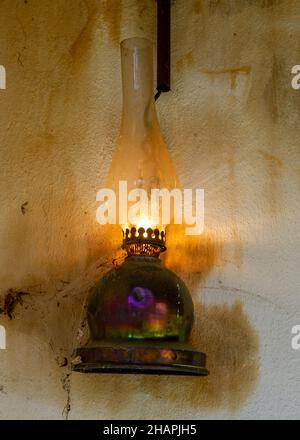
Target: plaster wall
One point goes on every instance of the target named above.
(232, 126)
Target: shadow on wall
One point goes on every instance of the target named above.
(192, 257)
(223, 332)
(226, 335)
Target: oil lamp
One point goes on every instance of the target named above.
(140, 314)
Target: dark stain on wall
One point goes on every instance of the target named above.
(225, 333)
(197, 7)
(232, 7)
(107, 14)
(11, 299)
(270, 93)
(269, 3)
(234, 204)
(111, 12)
(83, 41)
(187, 60)
(232, 73)
(273, 166)
(142, 8)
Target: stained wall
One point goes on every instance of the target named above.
(232, 126)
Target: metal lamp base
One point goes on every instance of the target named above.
(140, 316)
(140, 359)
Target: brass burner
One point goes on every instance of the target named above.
(150, 242)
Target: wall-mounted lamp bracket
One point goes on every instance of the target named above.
(163, 46)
